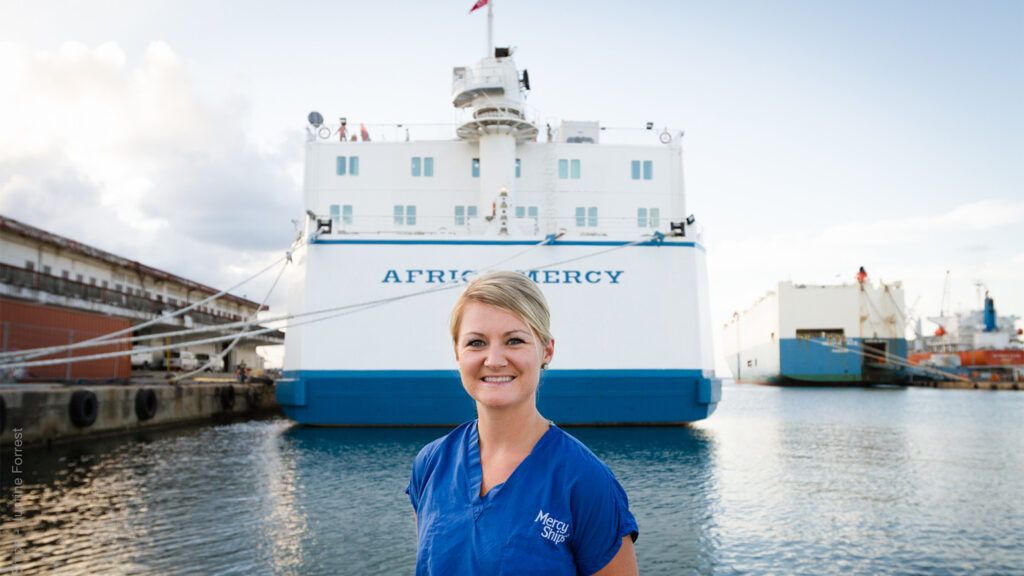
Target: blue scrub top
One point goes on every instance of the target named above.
(560, 512)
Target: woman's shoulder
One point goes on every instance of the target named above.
(578, 459)
(429, 454)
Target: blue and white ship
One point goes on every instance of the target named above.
(807, 334)
(404, 222)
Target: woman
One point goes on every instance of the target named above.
(511, 493)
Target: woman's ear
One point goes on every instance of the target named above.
(549, 351)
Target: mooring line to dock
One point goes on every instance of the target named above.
(334, 312)
(888, 357)
(102, 340)
(248, 323)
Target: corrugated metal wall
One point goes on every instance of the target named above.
(25, 325)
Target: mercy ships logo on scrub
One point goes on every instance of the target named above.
(552, 528)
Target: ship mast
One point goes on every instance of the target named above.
(490, 29)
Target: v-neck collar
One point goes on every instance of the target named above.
(476, 471)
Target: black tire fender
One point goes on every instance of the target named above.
(146, 404)
(83, 408)
(227, 397)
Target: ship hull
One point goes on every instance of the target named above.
(804, 362)
(632, 332)
(436, 398)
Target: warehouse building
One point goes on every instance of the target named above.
(56, 291)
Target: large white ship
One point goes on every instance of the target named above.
(803, 334)
(601, 227)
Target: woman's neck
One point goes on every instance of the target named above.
(510, 430)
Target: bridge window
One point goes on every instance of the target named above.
(423, 166)
(405, 215)
(527, 212)
(463, 214)
(341, 214)
(648, 169)
(347, 165)
(569, 169)
(586, 216)
(476, 168)
(519, 168)
(648, 217)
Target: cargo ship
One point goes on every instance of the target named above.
(978, 345)
(803, 334)
(595, 216)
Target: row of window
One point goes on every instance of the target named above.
(423, 166)
(405, 215)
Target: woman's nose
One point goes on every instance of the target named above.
(495, 358)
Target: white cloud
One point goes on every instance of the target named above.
(129, 158)
(966, 218)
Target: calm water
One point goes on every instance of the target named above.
(778, 481)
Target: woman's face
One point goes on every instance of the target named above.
(499, 357)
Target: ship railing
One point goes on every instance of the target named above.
(616, 227)
(639, 135)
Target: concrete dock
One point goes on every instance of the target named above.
(58, 413)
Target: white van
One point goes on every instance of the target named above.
(181, 360)
(216, 362)
(142, 359)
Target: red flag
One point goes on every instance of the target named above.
(479, 4)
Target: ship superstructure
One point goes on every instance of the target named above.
(979, 344)
(602, 228)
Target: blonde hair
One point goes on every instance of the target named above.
(509, 291)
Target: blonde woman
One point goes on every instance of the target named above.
(511, 493)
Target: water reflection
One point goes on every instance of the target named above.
(670, 477)
(815, 481)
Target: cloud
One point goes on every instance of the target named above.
(973, 217)
(129, 158)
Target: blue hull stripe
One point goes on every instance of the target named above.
(436, 397)
(508, 243)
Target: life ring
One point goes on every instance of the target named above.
(665, 137)
(227, 397)
(83, 408)
(324, 132)
(146, 404)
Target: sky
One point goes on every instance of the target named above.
(820, 135)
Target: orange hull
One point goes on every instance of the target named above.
(1007, 357)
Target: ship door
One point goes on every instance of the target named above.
(876, 367)
(876, 352)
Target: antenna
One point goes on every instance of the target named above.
(944, 305)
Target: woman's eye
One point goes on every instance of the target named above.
(516, 341)
(475, 343)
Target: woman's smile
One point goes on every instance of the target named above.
(499, 357)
